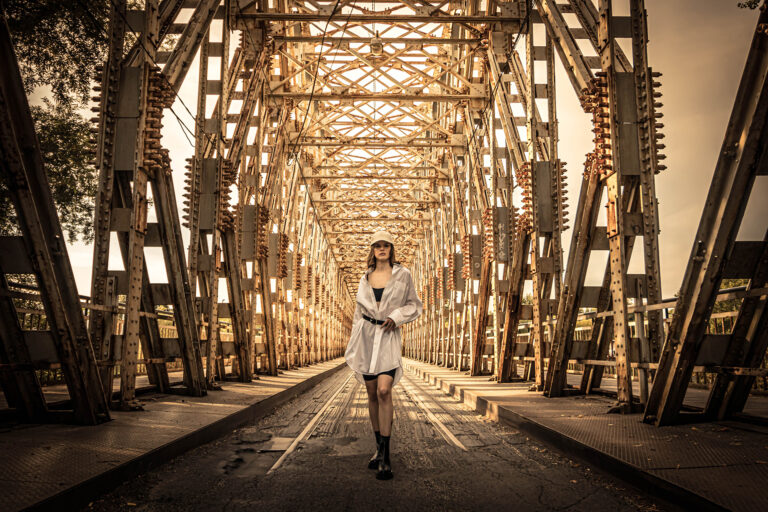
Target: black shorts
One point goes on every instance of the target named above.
(391, 373)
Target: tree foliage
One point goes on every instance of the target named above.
(724, 306)
(58, 46)
(63, 137)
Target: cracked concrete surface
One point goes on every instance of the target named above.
(502, 470)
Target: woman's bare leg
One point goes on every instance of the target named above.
(373, 403)
(384, 395)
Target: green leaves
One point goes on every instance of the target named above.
(63, 136)
(58, 44)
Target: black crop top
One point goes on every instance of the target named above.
(377, 293)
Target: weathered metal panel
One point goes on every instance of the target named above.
(152, 238)
(477, 247)
(171, 347)
(599, 239)
(589, 296)
(712, 350)
(42, 348)
(627, 127)
(543, 195)
(743, 259)
(501, 227)
(458, 280)
(161, 293)
(13, 256)
(120, 219)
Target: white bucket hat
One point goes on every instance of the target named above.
(382, 235)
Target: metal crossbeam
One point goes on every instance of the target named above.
(42, 253)
(715, 255)
(327, 122)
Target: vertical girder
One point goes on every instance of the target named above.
(716, 254)
(331, 121)
(133, 96)
(621, 100)
(45, 255)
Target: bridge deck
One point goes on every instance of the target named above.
(58, 462)
(721, 463)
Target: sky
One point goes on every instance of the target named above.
(700, 47)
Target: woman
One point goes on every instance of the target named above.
(386, 299)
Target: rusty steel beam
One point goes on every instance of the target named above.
(22, 169)
(195, 29)
(359, 97)
(742, 158)
(377, 18)
(134, 95)
(622, 101)
(101, 325)
(335, 41)
(21, 387)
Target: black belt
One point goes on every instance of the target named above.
(373, 320)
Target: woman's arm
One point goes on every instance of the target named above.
(412, 307)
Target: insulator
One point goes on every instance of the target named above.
(656, 74)
(465, 257)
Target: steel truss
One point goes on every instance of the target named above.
(734, 358)
(622, 99)
(329, 120)
(39, 252)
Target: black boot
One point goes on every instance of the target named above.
(374, 462)
(385, 468)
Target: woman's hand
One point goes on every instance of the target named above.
(388, 325)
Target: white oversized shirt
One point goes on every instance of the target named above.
(371, 350)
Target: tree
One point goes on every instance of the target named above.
(58, 46)
(63, 135)
(731, 304)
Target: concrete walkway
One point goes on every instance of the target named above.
(710, 466)
(58, 466)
